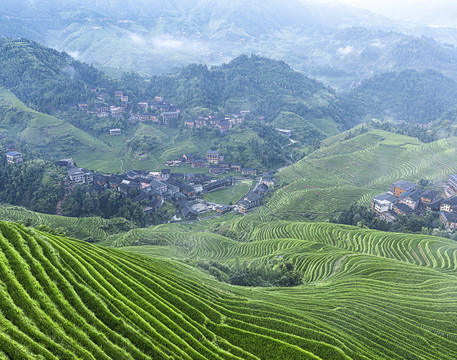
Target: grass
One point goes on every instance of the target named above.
(94, 228)
(345, 171)
(367, 295)
(230, 194)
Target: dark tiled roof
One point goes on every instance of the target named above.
(253, 197)
(429, 194)
(386, 197)
(404, 185)
(187, 188)
(414, 195)
(405, 209)
(435, 205)
(451, 201)
(142, 196)
(449, 216)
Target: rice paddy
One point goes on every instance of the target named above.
(367, 295)
(354, 170)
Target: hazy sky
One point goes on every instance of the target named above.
(410, 10)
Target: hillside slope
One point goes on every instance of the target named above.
(45, 78)
(47, 136)
(366, 296)
(354, 166)
(331, 41)
(36, 77)
(409, 95)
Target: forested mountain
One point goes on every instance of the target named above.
(336, 43)
(37, 77)
(409, 95)
(262, 85)
(45, 78)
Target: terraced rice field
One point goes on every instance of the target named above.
(354, 170)
(80, 228)
(368, 295)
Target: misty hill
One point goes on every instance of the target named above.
(45, 78)
(330, 41)
(51, 82)
(409, 95)
(259, 84)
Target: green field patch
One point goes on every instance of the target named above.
(230, 194)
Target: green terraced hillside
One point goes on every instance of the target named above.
(367, 295)
(380, 295)
(48, 135)
(344, 171)
(88, 229)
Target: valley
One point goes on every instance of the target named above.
(255, 180)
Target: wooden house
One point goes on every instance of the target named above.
(452, 182)
(198, 163)
(402, 186)
(247, 172)
(449, 219)
(428, 196)
(213, 156)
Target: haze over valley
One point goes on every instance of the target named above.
(228, 180)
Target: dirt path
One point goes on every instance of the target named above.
(59, 207)
(122, 164)
(338, 264)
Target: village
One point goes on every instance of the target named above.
(406, 198)
(152, 189)
(158, 112)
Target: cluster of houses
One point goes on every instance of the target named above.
(166, 113)
(223, 124)
(152, 189)
(215, 163)
(406, 198)
(163, 113)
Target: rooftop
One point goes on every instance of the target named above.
(404, 208)
(74, 171)
(429, 194)
(13, 153)
(451, 201)
(404, 185)
(449, 216)
(414, 195)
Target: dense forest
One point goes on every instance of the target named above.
(44, 78)
(36, 185)
(109, 204)
(277, 273)
(409, 96)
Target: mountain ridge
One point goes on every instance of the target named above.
(309, 36)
